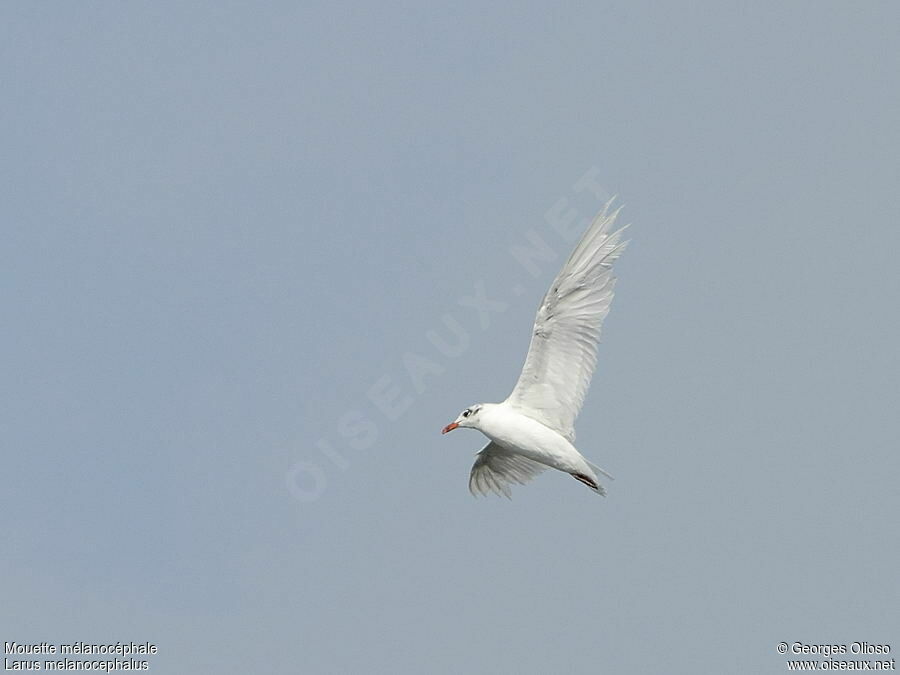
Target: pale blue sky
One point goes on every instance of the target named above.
(225, 223)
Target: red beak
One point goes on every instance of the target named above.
(449, 427)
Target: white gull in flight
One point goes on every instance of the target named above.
(533, 429)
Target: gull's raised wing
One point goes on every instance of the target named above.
(563, 349)
(495, 469)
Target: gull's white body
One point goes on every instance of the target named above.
(516, 432)
(533, 429)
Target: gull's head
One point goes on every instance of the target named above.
(467, 418)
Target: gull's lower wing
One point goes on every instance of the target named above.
(496, 468)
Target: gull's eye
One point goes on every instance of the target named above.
(466, 413)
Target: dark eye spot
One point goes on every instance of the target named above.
(466, 413)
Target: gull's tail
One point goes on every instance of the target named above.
(599, 470)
